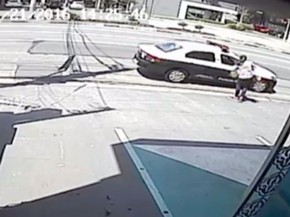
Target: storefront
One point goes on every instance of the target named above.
(194, 10)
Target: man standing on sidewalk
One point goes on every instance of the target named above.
(244, 78)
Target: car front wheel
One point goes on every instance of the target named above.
(176, 75)
(260, 86)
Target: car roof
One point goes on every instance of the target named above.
(198, 46)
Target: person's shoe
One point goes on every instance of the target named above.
(242, 99)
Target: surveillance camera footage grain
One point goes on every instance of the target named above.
(144, 108)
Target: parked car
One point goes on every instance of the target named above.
(183, 61)
(77, 5)
(261, 28)
(14, 4)
(54, 4)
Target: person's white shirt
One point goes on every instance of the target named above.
(245, 71)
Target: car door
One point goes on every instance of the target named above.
(226, 64)
(201, 64)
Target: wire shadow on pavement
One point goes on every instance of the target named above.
(86, 37)
(54, 78)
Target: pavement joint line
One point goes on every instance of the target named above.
(263, 140)
(144, 174)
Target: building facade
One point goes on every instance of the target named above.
(171, 8)
(223, 11)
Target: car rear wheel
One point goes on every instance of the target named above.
(260, 86)
(176, 75)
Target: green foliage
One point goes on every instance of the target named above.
(230, 22)
(182, 24)
(240, 26)
(198, 27)
(232, 26)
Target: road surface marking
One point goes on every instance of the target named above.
(146, 177)
(264, 141)
(61, 153)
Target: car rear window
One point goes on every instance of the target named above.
(168, 47)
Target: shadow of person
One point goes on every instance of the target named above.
(250, 99)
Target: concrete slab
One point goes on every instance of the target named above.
(60, 160)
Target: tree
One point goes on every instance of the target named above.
(183, 25)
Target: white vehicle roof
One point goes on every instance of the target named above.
(198, 46)
(188, 46)
(183, 47)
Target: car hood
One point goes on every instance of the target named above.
(264, 72)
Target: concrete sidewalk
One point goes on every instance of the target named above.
(62, 148)
(63, 158)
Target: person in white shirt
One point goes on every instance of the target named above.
(245, 78)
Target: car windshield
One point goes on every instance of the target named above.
(168, 47)
(138, 108)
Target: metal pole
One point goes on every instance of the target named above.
(98, 4)
(151, 8)
(242, 15)
(146, 4)
(32, 5)
(287, 30)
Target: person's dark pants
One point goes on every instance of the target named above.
(242, 86)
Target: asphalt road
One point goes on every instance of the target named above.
(109, 42)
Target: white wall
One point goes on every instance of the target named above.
(167, 8)
(185, 4)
